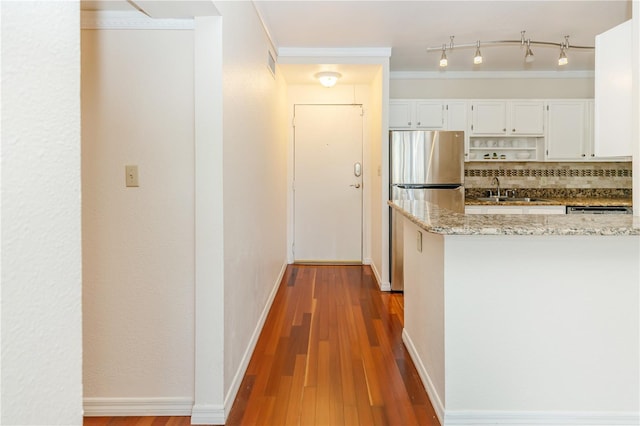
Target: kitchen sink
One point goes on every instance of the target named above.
(503, 199)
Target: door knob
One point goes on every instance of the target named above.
(357, 185)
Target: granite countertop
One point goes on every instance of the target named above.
(557, 201)
(436, 220)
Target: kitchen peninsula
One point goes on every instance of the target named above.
(524, 319)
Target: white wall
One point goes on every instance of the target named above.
(635, 120)
(377, 185)
(138, 243)
(482, 88)
(41, 339)
(254, 188)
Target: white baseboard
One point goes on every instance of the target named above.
(424, 376)
(208, 414)
(384, 285)
(169, 406)
(487, 417)
(575, 418)
(244, 363)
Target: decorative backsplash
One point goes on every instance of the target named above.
(551, 179)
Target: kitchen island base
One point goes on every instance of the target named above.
(525, 329)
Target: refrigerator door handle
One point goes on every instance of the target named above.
(357, 169)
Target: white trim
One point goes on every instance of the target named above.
(384, 285)
(244, 363)
(576, 418)
(130, 20)
(437, 404)
(204, 414)
(340, 52)
(450, 75)
(165, 406)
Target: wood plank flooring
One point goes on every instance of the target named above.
(330, 353)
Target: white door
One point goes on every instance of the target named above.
(328, 183)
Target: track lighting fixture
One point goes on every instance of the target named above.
(477, 59)
(563, 60)
(525, 42)
(443, 58)
(528, 56)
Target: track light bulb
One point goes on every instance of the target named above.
(477, 59)
(528, 57)
(563, 60)
(443, 59)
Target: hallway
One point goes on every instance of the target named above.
(331, 353)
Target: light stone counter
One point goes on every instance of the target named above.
(523, 319)
(433, 219)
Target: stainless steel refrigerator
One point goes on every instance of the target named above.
(425, 166)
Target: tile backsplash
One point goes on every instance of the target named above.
(559, 179)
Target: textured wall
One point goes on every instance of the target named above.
(138, 243)
(255, 170)
(41, 340)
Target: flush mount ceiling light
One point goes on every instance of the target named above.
(328, 78)
(523, 42)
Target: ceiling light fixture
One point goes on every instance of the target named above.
(528, 57)
(563, 60)
(328, 78)
(443, 58)
(477, 59)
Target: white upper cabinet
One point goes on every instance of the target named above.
(430, 115)
(488, 117)
(457, 115)
(427, 114)
(526, 118)
(401, 114)
(613, 92)
(567, 130)
(500, 117)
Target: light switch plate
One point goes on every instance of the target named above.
(419, 242)
(131, 176)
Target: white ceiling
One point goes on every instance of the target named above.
(409, 27)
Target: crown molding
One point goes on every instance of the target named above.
(444, 75)
(130, 20)
(336, 52)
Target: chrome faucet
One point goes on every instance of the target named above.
(496, 182)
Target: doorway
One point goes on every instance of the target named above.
(328, 184)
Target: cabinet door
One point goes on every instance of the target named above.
(488, 118)
(400, 114)
(430, 115)
(566, 130)
(613, 92)
(526, 118)
(457, 116)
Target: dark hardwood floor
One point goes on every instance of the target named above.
(330, 353)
